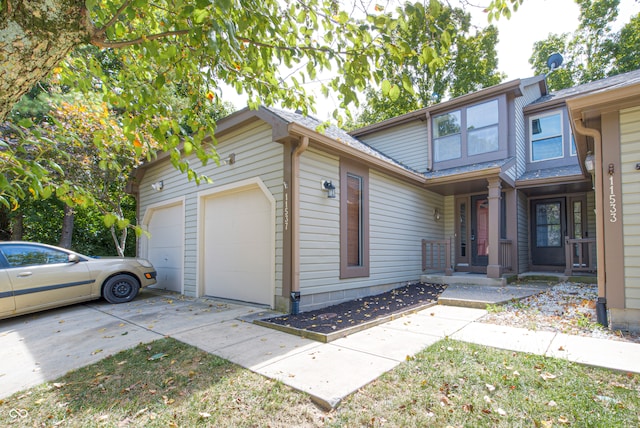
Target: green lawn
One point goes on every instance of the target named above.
(167, 383)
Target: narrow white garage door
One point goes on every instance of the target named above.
(238, 246)
(165, 246)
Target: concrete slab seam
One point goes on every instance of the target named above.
(127, 321)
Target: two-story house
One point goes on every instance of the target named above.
(505, 161)
(492, 183)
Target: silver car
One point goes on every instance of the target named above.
(35, 276)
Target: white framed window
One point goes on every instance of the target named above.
(545, 136)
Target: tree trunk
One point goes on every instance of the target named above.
(67, 227)
(121, 242)
(17, 226)
(5, 225)
(35, 36)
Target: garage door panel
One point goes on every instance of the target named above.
(238, 246)
(164, 258)
(166, 246)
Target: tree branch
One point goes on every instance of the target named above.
(115, 16)
(98, 41)
(293, 48)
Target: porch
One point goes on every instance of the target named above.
(439, 268)
(475, 290)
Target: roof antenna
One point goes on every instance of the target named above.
(554, 61)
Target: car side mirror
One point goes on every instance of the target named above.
(73, 258)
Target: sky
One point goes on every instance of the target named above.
(534, 21)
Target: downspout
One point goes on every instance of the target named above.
(429, 151)
(295, 224)
(601, 304)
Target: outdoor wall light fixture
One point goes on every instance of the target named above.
(436, 214)
(330, 188)
(158, 186)
(231, 159)
(590, 163)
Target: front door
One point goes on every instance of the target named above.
(479, 238)
(548, 229)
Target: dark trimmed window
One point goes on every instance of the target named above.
(470, 134)
(354, 220)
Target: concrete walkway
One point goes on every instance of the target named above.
(42, 347)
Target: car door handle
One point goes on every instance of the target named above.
(24, 274)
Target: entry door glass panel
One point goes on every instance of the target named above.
(463, 230)
(577, 220)
(480, 230)
(548, 225)
(548, 229)
(578, 230)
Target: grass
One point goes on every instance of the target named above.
(167, 384)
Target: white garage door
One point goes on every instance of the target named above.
(165, 246)
(238, 246)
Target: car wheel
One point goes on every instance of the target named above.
(120, 289)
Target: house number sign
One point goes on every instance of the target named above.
(286, 207)
(613, 209)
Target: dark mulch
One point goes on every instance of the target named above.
(359, 311)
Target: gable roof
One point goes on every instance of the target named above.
(608, 83)
(513, 86)
(335, 133)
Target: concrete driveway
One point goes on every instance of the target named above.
(44, 346)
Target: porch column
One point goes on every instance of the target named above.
(494, 268)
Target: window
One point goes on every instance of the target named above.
(472, 132)
(354, 220)
(27, 255)
(446, 136)
(548, 225)
(573, 146)
(482, 128)
(546, 137)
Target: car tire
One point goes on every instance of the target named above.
(120, 289)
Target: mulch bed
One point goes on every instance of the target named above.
(355, 312)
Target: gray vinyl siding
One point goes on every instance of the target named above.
(630, 153)
(406, 143)
(523, 233)
(319, 223)
(400, 216)
(256, 156)
(529, 94)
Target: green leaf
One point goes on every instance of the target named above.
(407, 84)
(188, 148)
(26, 123)
(385, 86)
(109, 220)
(394, 92)
(199, 15)
(122, 223)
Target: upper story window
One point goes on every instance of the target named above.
(446, 136)
(546, 137)
(472, 131)
(482, 128)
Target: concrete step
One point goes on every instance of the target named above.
(464, 279)
(479, 296)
